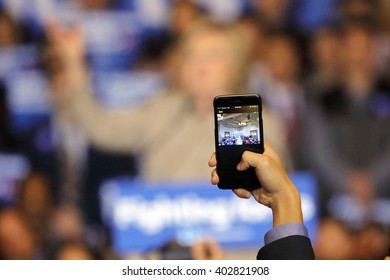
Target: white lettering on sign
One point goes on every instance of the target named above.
(151, 216)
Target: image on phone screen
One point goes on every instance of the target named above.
(238, 128)
(238, 125)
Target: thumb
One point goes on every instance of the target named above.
(249, 159)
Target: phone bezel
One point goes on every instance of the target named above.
(239, 100)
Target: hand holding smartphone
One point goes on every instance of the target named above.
(238, 128)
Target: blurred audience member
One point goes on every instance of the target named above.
(17, 241)
(248, 27)
(372, 242)
(10, 33)
(252, 30)
(281, 88)
(384, 13)
(366, 9)
(275, 13)
(34, 201)
(69, 147)
(372, 12)
(158, 49)
(348, 132)
(184, 14)
(74, 250)
(325, 62)
(67, 223)
(334, 241)
(96, 4)
(200, 250)
(282, 92)
(80, 168)
(212, 61)
(276, 16)
(207, 250)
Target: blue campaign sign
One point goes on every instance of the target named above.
(223, 10)
(154, 14)
(28, 99)
(16, 59)
(145, 215)
(113, 39)
(13, 168)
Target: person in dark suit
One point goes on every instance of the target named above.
(288, 239)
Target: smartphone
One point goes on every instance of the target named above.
(238, 128)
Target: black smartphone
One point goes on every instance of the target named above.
(238, 128)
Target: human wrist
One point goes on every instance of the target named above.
(74, 64)
(286, 206)
(76, 73)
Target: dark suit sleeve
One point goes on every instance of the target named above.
(294, 247)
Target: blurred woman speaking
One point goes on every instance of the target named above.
(173, 133)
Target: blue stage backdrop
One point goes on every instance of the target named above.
(144, 215)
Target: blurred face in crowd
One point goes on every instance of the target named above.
(96, 4)
(357, 8)
(372, 243)
(358, 50)
(273, 10)
(251, 32)
(325, 50)
(16, 240)
(184, 14)
(74, 251)
(35, 198)
(334, 242)
(281, 59)
(208, 65)
(67, 223)
(8, 31)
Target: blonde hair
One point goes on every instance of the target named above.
(238, 46)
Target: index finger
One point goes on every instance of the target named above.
(213, 160)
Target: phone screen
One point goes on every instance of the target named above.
(238, 128)
(238, 125)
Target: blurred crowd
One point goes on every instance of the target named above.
(95, 89)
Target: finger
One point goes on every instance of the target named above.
(242, 193)
(253, 192)
(213, 160)
(214, 177)
(249, 159)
